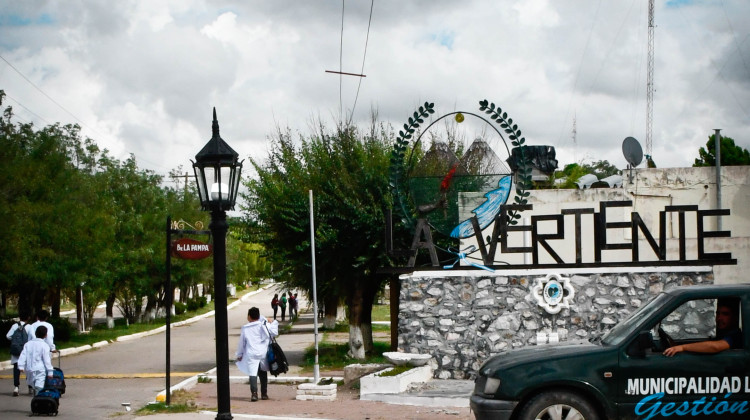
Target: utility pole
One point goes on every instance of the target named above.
(186, 176)
(650, 81)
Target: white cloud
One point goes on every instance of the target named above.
(144, 76)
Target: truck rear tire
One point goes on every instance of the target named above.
(558, 405)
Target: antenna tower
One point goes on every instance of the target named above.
(650, 80)
(575, 140)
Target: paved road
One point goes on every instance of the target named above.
(133, 371)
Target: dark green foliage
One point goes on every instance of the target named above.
(74, 217)
(731, 154)
(63, 329)
(193, 304)
(179, 308)
(573, 171)
(523, 175)
(5, 326)
(397, 170)
(601, 168)
(348, 174)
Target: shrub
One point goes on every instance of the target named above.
(193, 304)
(179, 308)
(5, 326)
(63, 329)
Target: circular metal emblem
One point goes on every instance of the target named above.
(553, 292)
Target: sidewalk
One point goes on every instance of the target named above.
(435, 400)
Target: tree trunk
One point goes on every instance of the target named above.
(3, 304)
(367, 299)
(149, 313)
(138, 308)
(355, 304)
(25, 303)
(79, 309)
(37, 300)
(330, 306)
(394, 299)
(56, 300)
(110, 310)
(88, 315)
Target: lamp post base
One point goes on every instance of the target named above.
(224, 416)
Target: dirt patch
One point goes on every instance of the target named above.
(347, 405)
(343, 337)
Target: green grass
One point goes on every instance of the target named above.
(397, 370)
(180, 401)
(159, 407)
(381, 312)
(332, 356)
(344, 327)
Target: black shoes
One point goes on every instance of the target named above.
(255, 397)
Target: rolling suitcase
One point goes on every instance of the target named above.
(45, 402)
(58, 378)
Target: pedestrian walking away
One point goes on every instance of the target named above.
(275, 304)
(252, 350)
(41, 319)
(292, 303)
(282, 303)
(35, 360)
(18, 335)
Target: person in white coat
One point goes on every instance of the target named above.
(252, 348)
(41, 319)
(22, 323)
(35, 360)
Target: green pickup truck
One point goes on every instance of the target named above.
(625, 374)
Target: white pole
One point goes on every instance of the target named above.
(83, 313)
(717, 155)
(316, 368)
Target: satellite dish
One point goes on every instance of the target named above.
(632, 151)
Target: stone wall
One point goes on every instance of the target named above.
(464, 317)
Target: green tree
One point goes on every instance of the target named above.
(348, 174)
(731, 154)
(572, 172)
(75, 221)
(42, 197)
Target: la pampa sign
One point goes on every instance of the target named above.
(191, 249)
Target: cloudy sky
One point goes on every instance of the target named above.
(142, 77)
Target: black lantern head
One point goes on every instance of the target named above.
(217, 173)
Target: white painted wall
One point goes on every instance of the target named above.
(650, 191)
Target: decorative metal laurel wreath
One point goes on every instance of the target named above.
(397, 174)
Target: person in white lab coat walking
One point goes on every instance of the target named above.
(26, 335)
(252, 349)
(35, 360)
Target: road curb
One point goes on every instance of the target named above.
(74, 350)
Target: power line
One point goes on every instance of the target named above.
(47, 96)
(61, 107)
(367, 39)
(26, 108)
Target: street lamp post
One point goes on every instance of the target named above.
(217, 173)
